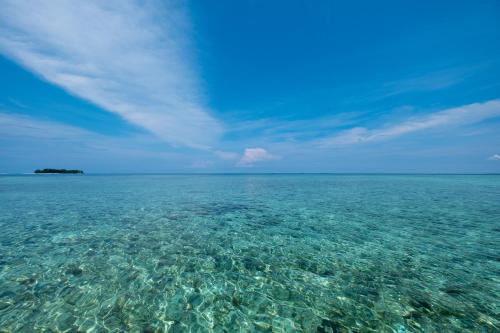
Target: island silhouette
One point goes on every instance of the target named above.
(59, 171)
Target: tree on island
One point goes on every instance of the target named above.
(57, 171)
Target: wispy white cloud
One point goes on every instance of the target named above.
(29, 134)
(279, 129)
(428, 82)
(254, 155)
(21, 126)
(128, 57)
(494, 157)
(468, 114)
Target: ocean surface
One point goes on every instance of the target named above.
(249, 253)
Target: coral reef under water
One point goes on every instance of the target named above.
(254, 253)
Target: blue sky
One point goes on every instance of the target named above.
(250, 86)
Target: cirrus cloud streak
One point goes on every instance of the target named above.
(467, 114)
(127, 57)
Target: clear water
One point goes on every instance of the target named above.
(252, 253)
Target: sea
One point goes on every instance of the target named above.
(250, 253)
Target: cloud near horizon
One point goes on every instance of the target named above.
(467, 114)
(254, 155)
(34, 138)
(494, 157)
(128, 58)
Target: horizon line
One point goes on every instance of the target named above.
(256, 173)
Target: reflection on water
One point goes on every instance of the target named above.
(275, 253)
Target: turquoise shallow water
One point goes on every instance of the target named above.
(256, 253)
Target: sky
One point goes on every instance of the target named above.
(250, 86)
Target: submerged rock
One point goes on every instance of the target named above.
(74, 270)
(453, 290)
(328, 326)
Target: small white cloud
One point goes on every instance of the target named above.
(494, 157)
(254, 155)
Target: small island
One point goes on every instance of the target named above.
(58, 171)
